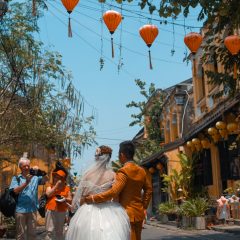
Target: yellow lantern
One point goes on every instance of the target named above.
(223, 133)
(221, 125)
(205, 143)
(232, 127)
(151, 170)
(197, 144)
(189, 144)
(212, 131)
(195, 141)
(216, 137)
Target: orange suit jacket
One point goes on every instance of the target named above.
(131, 179)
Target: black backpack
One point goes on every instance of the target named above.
(8, 201)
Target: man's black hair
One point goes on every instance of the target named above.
(127, 148)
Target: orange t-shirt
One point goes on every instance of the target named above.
(58, 206)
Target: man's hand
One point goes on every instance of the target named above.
(28, 178)
(88, 199)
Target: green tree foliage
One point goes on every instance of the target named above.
(38, 101)
(151, 109)
(221, 18)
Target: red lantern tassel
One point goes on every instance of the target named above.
(112, 47)
(69, 27)
(150, 60)
(235, 70)
(194, 66)
(34, 7)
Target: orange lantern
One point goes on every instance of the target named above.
(193, 41)
(220, 125)
(205, 143)
(151, 170)
(232, 127)
(69, 5)
(112, 19)
(149, 33)
(232, 43)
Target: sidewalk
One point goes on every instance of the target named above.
(172, 226)
(40, 234)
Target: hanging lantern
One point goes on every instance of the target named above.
(159, 166)
(205, 143)
(197, 144)
(232, 127)
(151, 170)
(220, 125)
(69, 5)
(212, 131)
(112, 19)
(216, 137)
(223, 133)
(232, 43)
(149, 33)
(191, 145)
(193, 41)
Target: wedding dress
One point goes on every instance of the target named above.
(104, 221)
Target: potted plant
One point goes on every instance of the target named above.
(168, 210)
(195, 210)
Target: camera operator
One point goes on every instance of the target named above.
(25, 186)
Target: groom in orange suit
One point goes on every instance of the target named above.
(131, 179)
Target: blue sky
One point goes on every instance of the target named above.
(108, 90)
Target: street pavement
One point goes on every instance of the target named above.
(160, 233)
(169, 233)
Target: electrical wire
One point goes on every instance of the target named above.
(94, 32)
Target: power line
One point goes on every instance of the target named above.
(139, 13)
(94, 32)
(89, 44)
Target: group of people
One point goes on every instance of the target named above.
(106, 205)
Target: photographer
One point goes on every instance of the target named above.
(59, 199)
(26, 187)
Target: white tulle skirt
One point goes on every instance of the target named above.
(105, 221)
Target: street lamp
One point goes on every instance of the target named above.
(3, 7)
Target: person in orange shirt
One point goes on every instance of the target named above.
(58, 199)
(131, 179)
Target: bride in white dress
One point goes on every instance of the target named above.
(104, 221)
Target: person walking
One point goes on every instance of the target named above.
(58, 200)
(131, 179)
(25, 186)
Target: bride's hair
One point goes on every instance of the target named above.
(103, 154)
(95, 175)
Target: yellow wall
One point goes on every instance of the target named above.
(173, 160)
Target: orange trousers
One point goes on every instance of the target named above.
(136, 230)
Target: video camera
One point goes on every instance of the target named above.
(37, 172)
